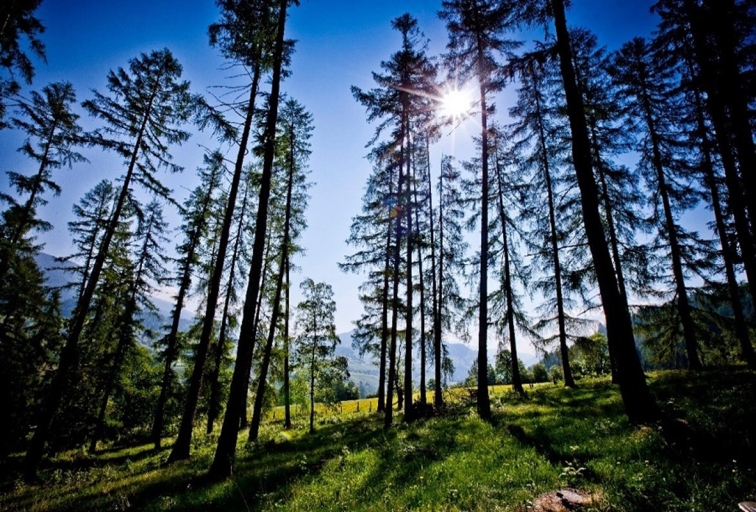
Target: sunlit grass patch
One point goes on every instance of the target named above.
(550, 439)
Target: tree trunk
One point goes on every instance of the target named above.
(181, 449)
(438, 400)
(225, 454)
(286, 384)
(516, 377)
(484, 402)
(640, 406)
(283, 269)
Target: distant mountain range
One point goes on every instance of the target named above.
(58, 274)
(364, 371)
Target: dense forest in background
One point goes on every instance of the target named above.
(578, 196)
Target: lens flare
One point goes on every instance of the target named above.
(455, 103)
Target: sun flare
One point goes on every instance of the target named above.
(455, 103)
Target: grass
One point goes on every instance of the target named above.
(703, 459)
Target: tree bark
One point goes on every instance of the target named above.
(640, 405)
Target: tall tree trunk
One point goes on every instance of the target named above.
(741, 328)
(484, 402)
(423, 362)
(719, 109)
(389, 411)
(286, 384)
(225, 453)
(438, 400)
(516, 377)
(283, 269)
(640, 405)
(385, 310)
(215, 385)
(408, 413)
(553, 239)
(614, 246)
(181, 449)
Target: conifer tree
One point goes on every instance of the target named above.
(647, 89)
(143, 117)
(148, 270)
(225, 453)
(244, 36)
(293, 140)
(401, 103)
(196, 214)
(475, 29)
(317, 338)
(17, 22)
(639, 403)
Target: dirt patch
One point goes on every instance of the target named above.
(565, 500)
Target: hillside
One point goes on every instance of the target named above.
(573, 441)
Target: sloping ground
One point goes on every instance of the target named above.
(553, 440)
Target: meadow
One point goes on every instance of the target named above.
(702, 458)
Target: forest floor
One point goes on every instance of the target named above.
(553, 439)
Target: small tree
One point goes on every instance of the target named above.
(317, 339)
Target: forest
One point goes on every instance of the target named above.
(606, 216)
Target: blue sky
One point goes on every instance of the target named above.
(339, 45)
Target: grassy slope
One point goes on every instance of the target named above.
(554, 438)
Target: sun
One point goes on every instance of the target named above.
(455, 103)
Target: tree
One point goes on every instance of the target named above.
(317, 338)
(475, 28)
(147, 270)
(244, 36)
(639, 403)
(196, 214)
(647, 88)
(18, 21)
(224, 455)
(295, 132)
(402, 103)
(52, 136)
(549, 203)
(143, 117)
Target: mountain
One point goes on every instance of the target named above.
(365, 370)
(59, 274)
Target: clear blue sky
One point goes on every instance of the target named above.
(339, 44)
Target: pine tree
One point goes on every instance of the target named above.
(639, 403)
(244, 37)
(647, 89)
(295, 131)
(550, 206)
(149, 104)
(475, 30)
(401, 103)
(17, 21)
(196, 214)
(224, 455)
(148, 270)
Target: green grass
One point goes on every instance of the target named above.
(551, 439)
